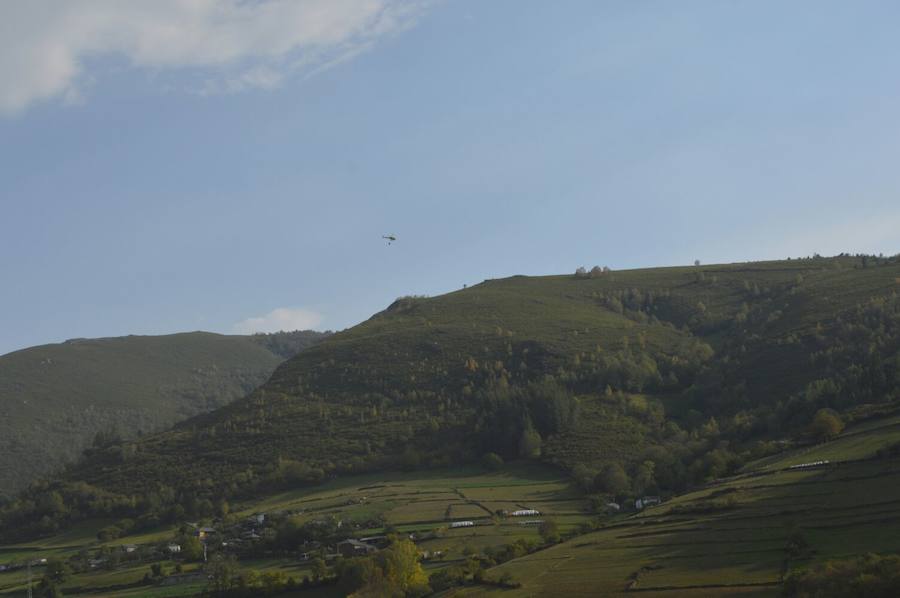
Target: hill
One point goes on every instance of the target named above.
(54, 399)
(637, 381)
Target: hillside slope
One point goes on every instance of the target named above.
(55, 398)
(672, 375)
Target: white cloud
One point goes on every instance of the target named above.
(238, 44)
(282, 318)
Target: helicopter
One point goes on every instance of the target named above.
(390, 238)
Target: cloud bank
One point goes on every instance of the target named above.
(282, 318)
(46, 45)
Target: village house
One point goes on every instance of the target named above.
(350, 548)
(204, 532)
(377, 541)
(646, 501)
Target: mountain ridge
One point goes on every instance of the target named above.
(55, 397)
(663, 378)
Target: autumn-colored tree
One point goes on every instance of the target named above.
(826, 424)
(394, 571)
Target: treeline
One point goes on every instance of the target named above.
(867, 576)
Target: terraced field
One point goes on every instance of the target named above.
(409, 502)
(734, 537)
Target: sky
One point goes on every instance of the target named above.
(232, 166)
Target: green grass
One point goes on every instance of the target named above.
(410, 501)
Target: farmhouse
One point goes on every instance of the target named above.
(376, 541)
(646, 501)
(351, 548)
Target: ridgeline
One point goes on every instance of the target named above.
(56, 399)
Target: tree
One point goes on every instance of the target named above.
(223, 573)
(402, 571)
(826, 424)
(614, 480)
(549, 531)
(47, 588)
(394, 571)
(644, 478)
(57, 571)
(492, 461)
(319, 569)
(530, 443)
(191, 548)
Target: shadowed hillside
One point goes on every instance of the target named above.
(54, 399)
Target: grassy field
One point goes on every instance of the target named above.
(730, 538)
(409, 502)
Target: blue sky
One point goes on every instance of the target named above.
(239, 177)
